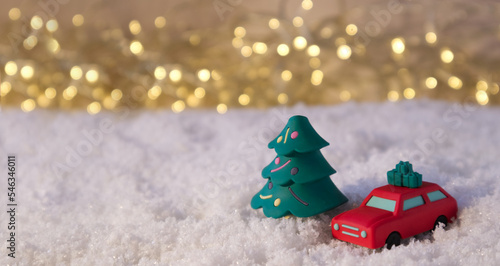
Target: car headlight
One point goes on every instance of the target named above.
(336, 226)
(363, 234)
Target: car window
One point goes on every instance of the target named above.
(436, 195)
(413, 202)
(381, 203)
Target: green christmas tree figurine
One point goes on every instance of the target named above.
(298, 180)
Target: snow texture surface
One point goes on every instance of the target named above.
(148, 187)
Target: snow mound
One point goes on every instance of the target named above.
(148, 187)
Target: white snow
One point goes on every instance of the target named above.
(164, 188)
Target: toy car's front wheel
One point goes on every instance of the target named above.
(441, 219)
(394, 239)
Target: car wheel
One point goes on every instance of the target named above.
(441, 219)
(394, 239)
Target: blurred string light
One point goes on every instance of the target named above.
(246, 51)
(92, 76)
(274, 23)
(244, 99)
(307, 4)
(393, 96)
(52, 25)
(14, 13)
(409, 93)
(351, 29)
(282, 98)
(345, 95)
(430, 37)
(136, 47)
(482, 97)
(259, 48)
(160, 73)
(455, 82)
(317, 77)
(299, 43)
(199, 93)
(11, 68)
(431, 82)
(298, 22)
(313, 50)
(240, 32)
(344, 52)
(76, 72)
(283, 49)
(50, 93)
(204, 75)
(175, 75)
(27, 72)
(178, 106)
(398, 45)
(28, 105)
(94, 108)
(78, 20)
(154, 92)
(286, 75)
(267, 60)
(70, 92)
(36, 22)
(116, 94)
(447, 55)
(30, 42)
(160, 22)
(221, 108)
(135, 27)
(5, 88)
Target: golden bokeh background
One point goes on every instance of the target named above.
(222, 54)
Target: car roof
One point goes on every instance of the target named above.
(426, 187)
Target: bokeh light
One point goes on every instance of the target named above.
(92, 76)
(175, 75)
(204, 75)
(351, 29)
(430, 37)
(14, 13)
(455, 82)
(28, 105)
(313, 50)
(11, 68)
(482, 97)
(78, 20)
(160, 22)
(447, 55)
(178, 106)
(409, 93)
(244, 99)
(94, 108)
(36, 22)
(160, 73)
(135, 27)
(344, 52)
(286, 75)
(393, 96)
(283, 49)
(221, 108)
(398, 45)
(274, 23)
(299, 43)
(27, 72)
(431, 82)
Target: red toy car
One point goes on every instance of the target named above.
(391, 213)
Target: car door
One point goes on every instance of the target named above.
(412, 216)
